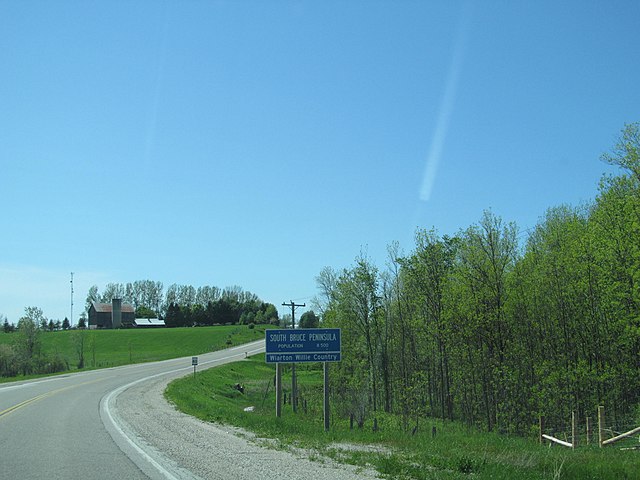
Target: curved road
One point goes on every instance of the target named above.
(64, 427)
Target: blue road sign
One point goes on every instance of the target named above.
(303, 345)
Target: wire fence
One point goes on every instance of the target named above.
(593, 431)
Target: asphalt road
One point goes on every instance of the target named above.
(64, 427)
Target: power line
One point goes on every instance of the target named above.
(293, 311)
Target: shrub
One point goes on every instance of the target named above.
(8, 361)
(54, 365)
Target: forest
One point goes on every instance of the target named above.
(492, 326)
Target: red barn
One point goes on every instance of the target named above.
(111, 315)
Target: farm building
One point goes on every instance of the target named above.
(111, 315)
(148, 323)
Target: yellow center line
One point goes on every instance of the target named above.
(45, 395)
(23, 404)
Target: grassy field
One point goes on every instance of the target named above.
(109, 348)
(455, 452)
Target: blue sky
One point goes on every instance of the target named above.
(253, 143)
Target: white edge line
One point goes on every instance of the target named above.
(105, 408)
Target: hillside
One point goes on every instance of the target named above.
(110, 348)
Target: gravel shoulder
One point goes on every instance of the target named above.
(190, 448)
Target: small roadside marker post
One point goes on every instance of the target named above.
(194, 362)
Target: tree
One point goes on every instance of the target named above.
(551, 289)
(309, 320)
(36, 316)
(225, 310)
(28, 340)
(145, 312)
(185, 295)
(626, 153)
(111, 291)
(270, 315)
(145, 293)
(9, 361)
(198, 315)
(65, 324)
(92, 296)
(359, 311)
(78, 338)
(207, 294)
(488, 254)
(177, 316)
(326, 281)
(82, 321)
(6, 326)
(285, 321)
(170, 298)
(426, 283)
(615, 224)
(473, 328)
(247, 318)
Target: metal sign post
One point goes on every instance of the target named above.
(326, 397)
(194, 362)
(278, 390)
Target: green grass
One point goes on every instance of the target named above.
(456, 452)
(110, 348)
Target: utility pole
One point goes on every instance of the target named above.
(71, 319)
(294, 383)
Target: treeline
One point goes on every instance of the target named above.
(185, 305)
(221, 312)
(481, 328)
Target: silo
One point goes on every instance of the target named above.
(116, 313)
